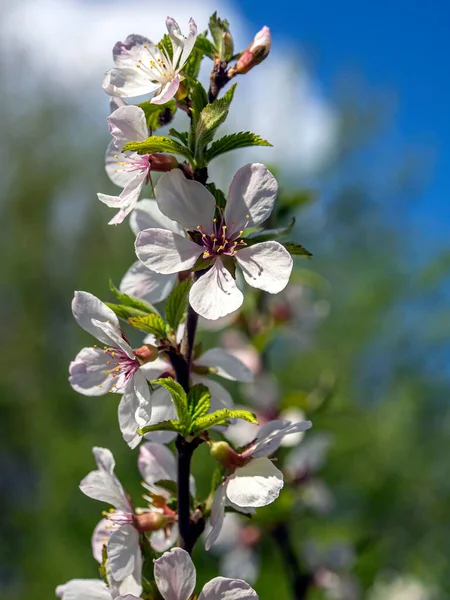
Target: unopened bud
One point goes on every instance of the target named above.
(227, 45)
(163, 162)
(255, 53)
(151, 521)
(224, 453)
(146, 353)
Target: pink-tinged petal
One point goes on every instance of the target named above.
(226, 365)
(116, 102)
(142, 283)
(83, 589)
(128, 82)
(175, 575)
(86, 307)
(167, 92)
(146, 215)
(100, 538)
(215, 293)
(220, 396)
(117, 175)
(127, 420)
(115, 335)
(133, 49)
(222, 588)
(156, 368)
(104, 459)
(217, 515)
(251, 197)
(161, 540)
(186, 201)
(177, 39)
(189, 43)
(266, 266)
(87, 372)
(270, 435)
(127, 199)
(162, 409)
(256, 484)
(156, 463)
(165, 252)
(99, 485)
(127, 124)
(123, 551)
(130, 587)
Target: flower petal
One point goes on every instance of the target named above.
(167, 92)
(100, 537)
(104, 459)
(87, 372)
(127, 420)
(129, 52)
(83, 589)
(189, 43)
(103, 485)
(123, 551)
(115, 336)
(270, 435)
(86, 307)
(251, 197)
(147, 215)
(161, 541)
(142, 390)
(175, 575)
(127, 199)
(140, 282)
(128, 82)
(156, 463)
(256, 484)
(217, 515)
(127, 124)
(266, 266)
(215, 293)
(220, 396)
(222, 588)
(185, 201)
(166, 252)
(227, 365)
(118, 176)
(162, 409)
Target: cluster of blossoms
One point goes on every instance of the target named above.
(190, 239)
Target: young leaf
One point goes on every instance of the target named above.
(220, 31)
(179, 398)
(297, 249)
(158, 143)
(205, 46)
(218, 194)
(262, 235)
(171, 425)
(158, 115)
(209, 120)
(220, 417)
(132, 301)
(176, 303)
(183, 136)
(152, 323)
(199, 99)
(193, 63)
(125, 312)
(234, 141)
(199, 401)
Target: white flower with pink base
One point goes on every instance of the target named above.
(251, 198)
(142, 67)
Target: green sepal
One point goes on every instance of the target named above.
(221, 417)
(172, 425)
(158, 143)
(199, 401)
(132, 301)
(102, 567)
(203, 263)
(152, 323)
(179, 399)
(177, 303)
(295, 249)
(219, 196)
(211, 117)
(158, 115)
(234, 141)
(262, 235)
(205, 46)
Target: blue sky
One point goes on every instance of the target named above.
(400, 46)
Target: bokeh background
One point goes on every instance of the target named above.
(355, 99)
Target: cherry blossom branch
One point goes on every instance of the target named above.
(300, 579)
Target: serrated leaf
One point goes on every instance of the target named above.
(220, 417)
(158, 143)
(125, 312)
(205, 46)
(218, 194)
(172, 425)
(152, 323)
(295, 249)
(183, 136)
(234, 141)
(262, 235)
(218, 27)
(179, 399)
(199, 401)
(158, 115)
(132, 301)
(177, 303)
(211, 117)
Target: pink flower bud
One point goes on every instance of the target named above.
(162, 162)
(146, 353)
(224, 453)
(256, 52)
(150, 521)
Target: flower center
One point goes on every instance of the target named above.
(222, 241)
(159, 66)
(119, 517)
(122, 367)
(133, 163)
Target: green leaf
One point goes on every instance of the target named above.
(262, 235)
(132, 301)
(221, 417)
(179, 399)
(199, 99)
(193, 63)
(211, 117)
(298, 198)
(152, 323)
(158, 143)
(199, 401)
(125, 312)
(295, 249)
(205, 46)
(218, 195)
(234, 141)
(158, 115)
(177, 303)
(166, 45)
(220, 31)
(171, 425)
(183, 136)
